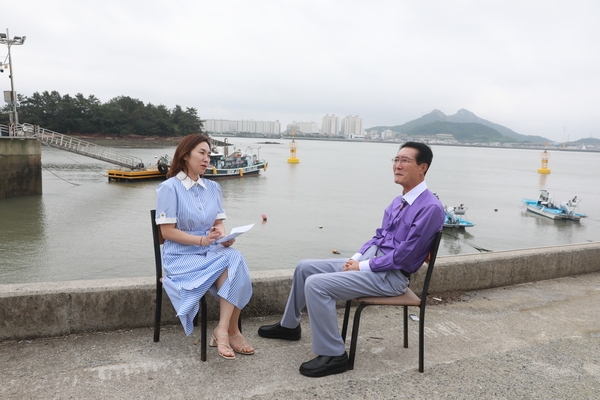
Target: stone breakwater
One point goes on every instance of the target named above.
(61, 308)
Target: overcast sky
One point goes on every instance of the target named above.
(532, 66)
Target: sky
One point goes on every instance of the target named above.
(531, 66)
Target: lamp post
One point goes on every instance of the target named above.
(5, 39)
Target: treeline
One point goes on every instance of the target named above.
(119, 116)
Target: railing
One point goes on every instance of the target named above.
(75, 145)
(4, 130)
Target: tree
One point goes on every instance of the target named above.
(121, 115)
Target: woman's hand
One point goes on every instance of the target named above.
(228, 243)
(214, 234)
(218, 228)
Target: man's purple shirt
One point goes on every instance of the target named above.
(406, 234)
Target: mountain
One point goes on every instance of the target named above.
(467, 132)
(461, 117)
(586, 141)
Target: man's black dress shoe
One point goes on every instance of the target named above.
(325, 365)
(276, 331)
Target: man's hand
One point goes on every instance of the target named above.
(351, 265)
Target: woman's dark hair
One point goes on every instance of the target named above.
(185, 147)
(424, 153)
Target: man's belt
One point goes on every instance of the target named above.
(406, 274)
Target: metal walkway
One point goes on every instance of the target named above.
(75, 145)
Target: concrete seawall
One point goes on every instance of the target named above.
(62, 308)
(20, 167)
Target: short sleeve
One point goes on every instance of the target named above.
(166, 204)
(221, 212)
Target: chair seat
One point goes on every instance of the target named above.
(408, 298)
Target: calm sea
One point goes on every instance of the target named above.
(84, 227)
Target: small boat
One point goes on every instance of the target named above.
(222, 166)
(546, 207)
(237, 164)
(157, 172)
(455, 217)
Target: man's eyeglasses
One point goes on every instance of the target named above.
(402, 160)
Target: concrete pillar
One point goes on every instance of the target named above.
(20, 167)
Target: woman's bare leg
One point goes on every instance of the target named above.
(226, 311)
(237, 340)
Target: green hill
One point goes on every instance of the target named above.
(463, 132)
(463, 118)
(586, 141)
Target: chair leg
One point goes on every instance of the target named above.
(203, 328)
(346, 318)
(405, 327)
(355, 335)
(422, 336)
(157, 311)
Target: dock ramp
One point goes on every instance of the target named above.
(78, 146)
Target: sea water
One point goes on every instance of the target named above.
(84, 227)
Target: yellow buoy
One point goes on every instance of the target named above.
(293, 159)
(544, 169)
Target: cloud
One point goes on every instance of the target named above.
(529, 65)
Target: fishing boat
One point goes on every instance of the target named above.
(222, 165)
(546, 207)
(455, 217)
(237, 164)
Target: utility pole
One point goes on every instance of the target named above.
(5, 39)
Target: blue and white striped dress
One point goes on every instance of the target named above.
(190, 271)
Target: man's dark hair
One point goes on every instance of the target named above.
(424, 153)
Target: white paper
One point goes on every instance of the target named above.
(235, 232)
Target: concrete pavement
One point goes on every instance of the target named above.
(536, 340)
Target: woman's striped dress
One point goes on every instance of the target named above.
(190, 271)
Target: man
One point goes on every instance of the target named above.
(382, 266)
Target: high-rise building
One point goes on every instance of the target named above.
(303, 127)
(242, 126)
(352, 126)
(330, 125)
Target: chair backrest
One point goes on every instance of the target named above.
(158, 240)
(432, 257)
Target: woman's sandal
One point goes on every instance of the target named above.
(240, 349)
(215, 343)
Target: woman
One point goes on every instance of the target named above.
(189, 212)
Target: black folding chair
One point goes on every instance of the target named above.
(158, 241)
(409, 298)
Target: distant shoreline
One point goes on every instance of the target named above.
(131, 141)
(156, 141)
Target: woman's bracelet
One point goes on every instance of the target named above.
(202, 241)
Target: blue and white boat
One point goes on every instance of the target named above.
(455, 217)
(546, 207)
(223, 165)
